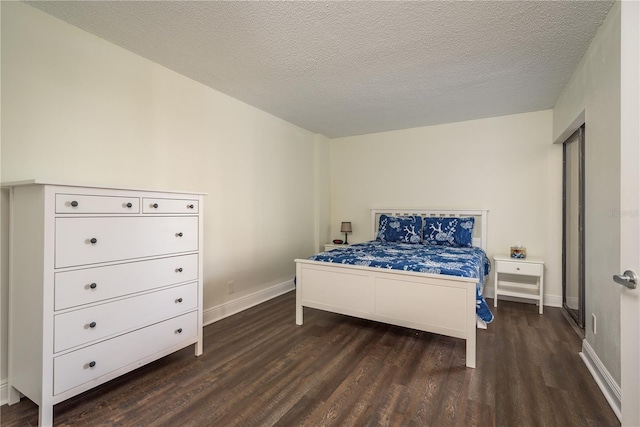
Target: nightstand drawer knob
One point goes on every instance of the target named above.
(92, 325)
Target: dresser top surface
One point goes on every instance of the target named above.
(104, 187)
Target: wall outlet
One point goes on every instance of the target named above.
(230, 287)
(593, 323)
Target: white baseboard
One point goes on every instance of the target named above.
(4, 392)
(549, 300)
(605, 381)
(553, 300)
(227, 309)
(488, 292)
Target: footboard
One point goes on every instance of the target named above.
(435, 303)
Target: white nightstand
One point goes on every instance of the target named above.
(332, 246)
(506, 280)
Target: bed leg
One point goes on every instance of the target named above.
(471, 353)
(472, 324)
(298, 314)
(298, 295)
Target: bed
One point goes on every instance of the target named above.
(427, 299)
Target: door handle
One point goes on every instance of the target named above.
(628, 279)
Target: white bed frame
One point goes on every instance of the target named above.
(435, 303)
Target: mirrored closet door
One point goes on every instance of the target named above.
(573, 227)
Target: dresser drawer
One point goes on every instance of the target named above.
(82, 204)
(74, 369)
(88, 285)
(522, 268)
(162, 206)
(81, 241)
(94, 323)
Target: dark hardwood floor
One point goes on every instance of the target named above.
(260, 369)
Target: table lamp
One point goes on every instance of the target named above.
(345, 228)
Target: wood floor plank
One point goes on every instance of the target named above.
(260, 369)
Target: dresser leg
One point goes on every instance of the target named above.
(46, 416)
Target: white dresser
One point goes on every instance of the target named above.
(102, 281)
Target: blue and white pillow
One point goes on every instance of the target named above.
(403, 229)
(449, 231)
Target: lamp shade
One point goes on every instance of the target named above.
(345, 227)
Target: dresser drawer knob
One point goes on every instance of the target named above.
(518, 268)
(179, 331)
(129, 205)
(93, 240)
(179, 300)
(74, 204)
(179, 234)
(93, 285)
(92, 325)
(179, 270)
(155, 206)
(92, 364)
(190, 206)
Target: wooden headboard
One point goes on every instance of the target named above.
(479, 228)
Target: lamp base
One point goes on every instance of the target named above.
(346, 242)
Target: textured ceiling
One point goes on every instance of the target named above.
(348, 68)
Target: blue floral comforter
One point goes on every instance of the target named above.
(453, 261)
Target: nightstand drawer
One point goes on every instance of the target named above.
(523, 268)
(332, 246)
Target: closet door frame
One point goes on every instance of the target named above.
(576, 138)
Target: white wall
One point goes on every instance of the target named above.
(79, 109)
(593, 94)
(507, 165)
